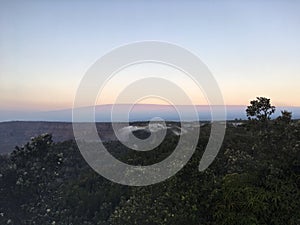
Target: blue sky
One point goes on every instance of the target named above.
(251, 47)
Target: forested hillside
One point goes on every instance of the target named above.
(255, 179)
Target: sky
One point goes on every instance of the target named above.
(251, 47)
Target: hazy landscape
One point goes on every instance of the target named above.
(255, 177)
(149, 112)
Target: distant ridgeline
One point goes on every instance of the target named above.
(139, 112)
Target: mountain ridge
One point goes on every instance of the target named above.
(139, 112)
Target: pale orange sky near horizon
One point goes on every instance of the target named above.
(46, 47)
(60, 96)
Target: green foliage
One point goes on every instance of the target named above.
(255, 179)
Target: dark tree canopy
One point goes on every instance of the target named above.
(260, 109)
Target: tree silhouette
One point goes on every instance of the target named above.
(260, 109)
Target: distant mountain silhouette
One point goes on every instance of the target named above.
(140, 112)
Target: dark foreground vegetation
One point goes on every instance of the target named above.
(255, 179)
